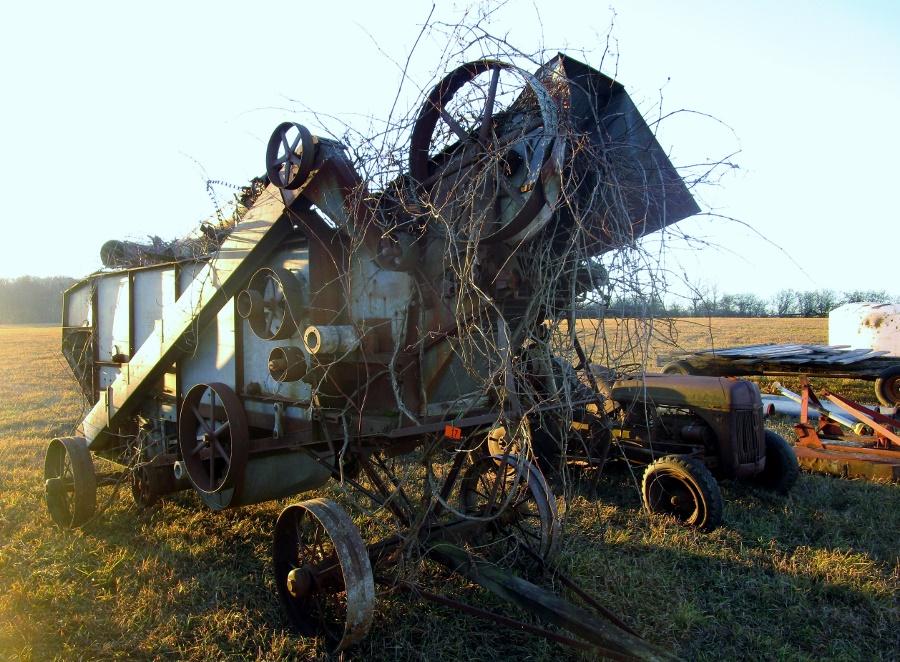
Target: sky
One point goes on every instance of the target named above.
(115, 115)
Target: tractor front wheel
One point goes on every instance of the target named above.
(685, 489)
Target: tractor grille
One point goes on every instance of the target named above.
(749, 435)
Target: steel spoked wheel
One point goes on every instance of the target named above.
(684, 489)
(70, 483)
(519, 510)
(322, 573)
(290, 155)
(213, 437)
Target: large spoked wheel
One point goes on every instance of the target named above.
(887, 387)
(213, 437)
(683, 488)
(70, 483)
(467, 149)
(290, 155)
(322, 572)
(512, 497)
(782, 469)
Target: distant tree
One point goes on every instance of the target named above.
(727, 305)
(825, 302)
(856, 296)
(675, 309)
(784, 302)
(747, 304)
(711, 301)
(32, 300)
(806, 303)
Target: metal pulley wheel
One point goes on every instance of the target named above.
(267, 303)
(519, 510)
(290, 155)
(472, 146)
(70, 483)
(322, 573)
(142, 487)
(213, 437)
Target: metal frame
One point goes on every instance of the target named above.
(828, 448)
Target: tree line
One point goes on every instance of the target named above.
(710, 303)
(32, 300)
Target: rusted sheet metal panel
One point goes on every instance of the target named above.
(218, 281)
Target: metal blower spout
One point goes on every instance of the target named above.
(639, 184)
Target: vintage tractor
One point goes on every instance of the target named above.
(690, 431)
(684, 431)
(375, 336)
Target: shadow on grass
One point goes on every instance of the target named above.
(217, 565)
(800, 577)
(808, 576)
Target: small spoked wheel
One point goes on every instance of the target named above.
(142, 487)
(213, 437)
(266, 303)
(519, 511)
(290, 155)
(683, 488)
(322, 573)
(70, 483)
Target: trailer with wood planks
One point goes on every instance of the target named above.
(770, 359)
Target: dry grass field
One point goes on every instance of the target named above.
(811, 576)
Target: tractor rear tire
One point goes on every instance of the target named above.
(685, 489)
(782, 468)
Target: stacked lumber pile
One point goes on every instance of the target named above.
(793, 354)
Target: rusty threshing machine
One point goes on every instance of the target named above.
(376, 336)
